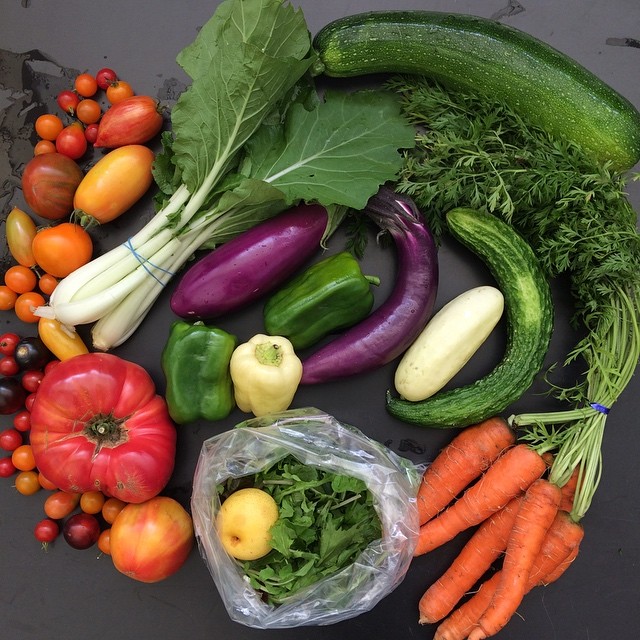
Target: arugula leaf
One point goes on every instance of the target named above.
(325, 521)
(336, 153)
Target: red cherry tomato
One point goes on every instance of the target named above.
(6, 467)
(81, 530)
(28, 405)
(8, 366)
(31, 380)
(106, 77)
(85, 85)
(91, 132)
(8, 343)
(71, 141)
(10, 439)
(22, 419)
(46, 531)
(68, 101)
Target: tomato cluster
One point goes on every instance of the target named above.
(42, 257)
(84, 519)
(82, 104)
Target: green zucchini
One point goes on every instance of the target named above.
(529, 324)
(481, 56)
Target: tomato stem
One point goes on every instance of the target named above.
(105, 429)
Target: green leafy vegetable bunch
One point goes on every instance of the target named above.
(326, 520)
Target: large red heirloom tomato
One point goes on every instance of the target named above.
(97, 424)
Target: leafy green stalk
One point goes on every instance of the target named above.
(249, 138)
(475, 152)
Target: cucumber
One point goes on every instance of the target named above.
(481, 56)
(529, 323)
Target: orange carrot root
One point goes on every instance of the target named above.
(475, 558)
(569, 491)
(558, 551)
(559, 548)
(461, 622)
(511, 474)
(465, 458)
(537, 512)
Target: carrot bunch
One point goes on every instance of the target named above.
(485, 478)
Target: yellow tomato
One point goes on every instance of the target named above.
(64, 343)
(114, 184)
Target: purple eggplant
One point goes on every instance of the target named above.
(250, 265)
(397, 322)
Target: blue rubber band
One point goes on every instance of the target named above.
(599, 407)
(144, 262)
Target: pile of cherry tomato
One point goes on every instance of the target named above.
(83, 519)
(82, 105)
(42, 257)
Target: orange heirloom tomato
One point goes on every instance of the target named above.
(64, 343)
(151, 540)
(114, 184)
(20, 231)
(61, 249)
(61, 504)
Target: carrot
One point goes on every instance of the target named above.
(559, 549)
(569, 491)
(459, 624)
(560, 544)
(506, 478)
(475, 558)
(535, 516)
(467, 456)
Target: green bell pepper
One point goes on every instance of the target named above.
(330, 295)
(195, 361)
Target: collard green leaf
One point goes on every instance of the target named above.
(337, 153)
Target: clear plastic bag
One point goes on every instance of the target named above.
(317, 439)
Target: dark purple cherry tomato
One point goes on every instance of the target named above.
(12, 395)
(31, 354)
(81, 530)
(10, 439)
